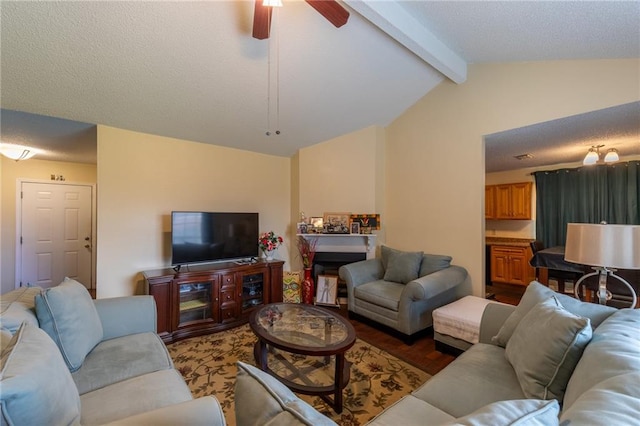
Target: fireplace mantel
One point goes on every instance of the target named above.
(346, 243)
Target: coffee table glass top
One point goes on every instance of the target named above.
(302, 325)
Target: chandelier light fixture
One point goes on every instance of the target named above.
(593, 156)
(17, 152)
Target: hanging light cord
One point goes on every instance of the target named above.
(277, 71)
(277, 81)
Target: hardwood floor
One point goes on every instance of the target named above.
(506, 293)
(423, 353)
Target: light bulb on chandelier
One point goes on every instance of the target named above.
(593, 156)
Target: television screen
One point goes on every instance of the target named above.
(205, 236)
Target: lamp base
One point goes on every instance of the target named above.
(603, 294)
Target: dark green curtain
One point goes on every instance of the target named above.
(586, 195)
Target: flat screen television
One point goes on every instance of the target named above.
(199, 237)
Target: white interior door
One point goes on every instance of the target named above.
(55, 234)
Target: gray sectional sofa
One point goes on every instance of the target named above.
(67, 359)
(551, 360)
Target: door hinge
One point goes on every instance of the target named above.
(21, 194)
(21, 240)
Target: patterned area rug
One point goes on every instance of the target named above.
(378, 379)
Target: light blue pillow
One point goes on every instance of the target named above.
(545, 349)
(37, 388)
(18, 306)
(261, 399)
(402, 266)
(70, 318)
(433, 263)
(518, 412)
(536, 293)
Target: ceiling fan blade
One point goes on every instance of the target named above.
(261, 20)
(331, 10)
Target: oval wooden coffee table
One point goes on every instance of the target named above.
(305, 330)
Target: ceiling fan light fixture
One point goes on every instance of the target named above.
(272, 3)
(612, 156)
(17, 152)
(592, 156)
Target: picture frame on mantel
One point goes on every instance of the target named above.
(336, 223)
(370, 221)
(355, 227)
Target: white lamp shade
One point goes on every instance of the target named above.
(610, 246)
(592, 157)
(272, 3)
(612, 156)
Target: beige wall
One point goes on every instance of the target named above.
(435, 150)
(34, 169)
(142, 178)
(345, 174)
(341, 175)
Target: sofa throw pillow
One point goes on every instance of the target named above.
(17, 306)
(261, 399)
(545, 348)
(291, 286)
(68, 315)
(37, 388)
(518, 412)
(433, 263)
(536, 293)
(402, 266)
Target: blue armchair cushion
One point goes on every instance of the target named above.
(401, 266)
(550, 333)
(37, 388)
(67, 314)
(433, 263)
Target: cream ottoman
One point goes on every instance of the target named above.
(456, 326)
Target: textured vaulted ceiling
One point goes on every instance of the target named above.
(191, 70)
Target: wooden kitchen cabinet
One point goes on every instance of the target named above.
(510, 265)
(513, 201)
(206, 299)
(490, 202)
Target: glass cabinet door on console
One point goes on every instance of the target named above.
(253, 290)
(195, 302)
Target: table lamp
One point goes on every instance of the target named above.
(606, 248)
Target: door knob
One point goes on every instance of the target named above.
(87, 246)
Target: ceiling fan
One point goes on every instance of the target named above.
(330, 9)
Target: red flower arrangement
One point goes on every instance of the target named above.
(269, 241)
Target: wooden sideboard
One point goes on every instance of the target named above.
(203, 299)
(510, 265)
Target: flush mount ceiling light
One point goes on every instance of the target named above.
(593, 156)
(17, 152)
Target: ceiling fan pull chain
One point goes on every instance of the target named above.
(269, 83)
(277, 71)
